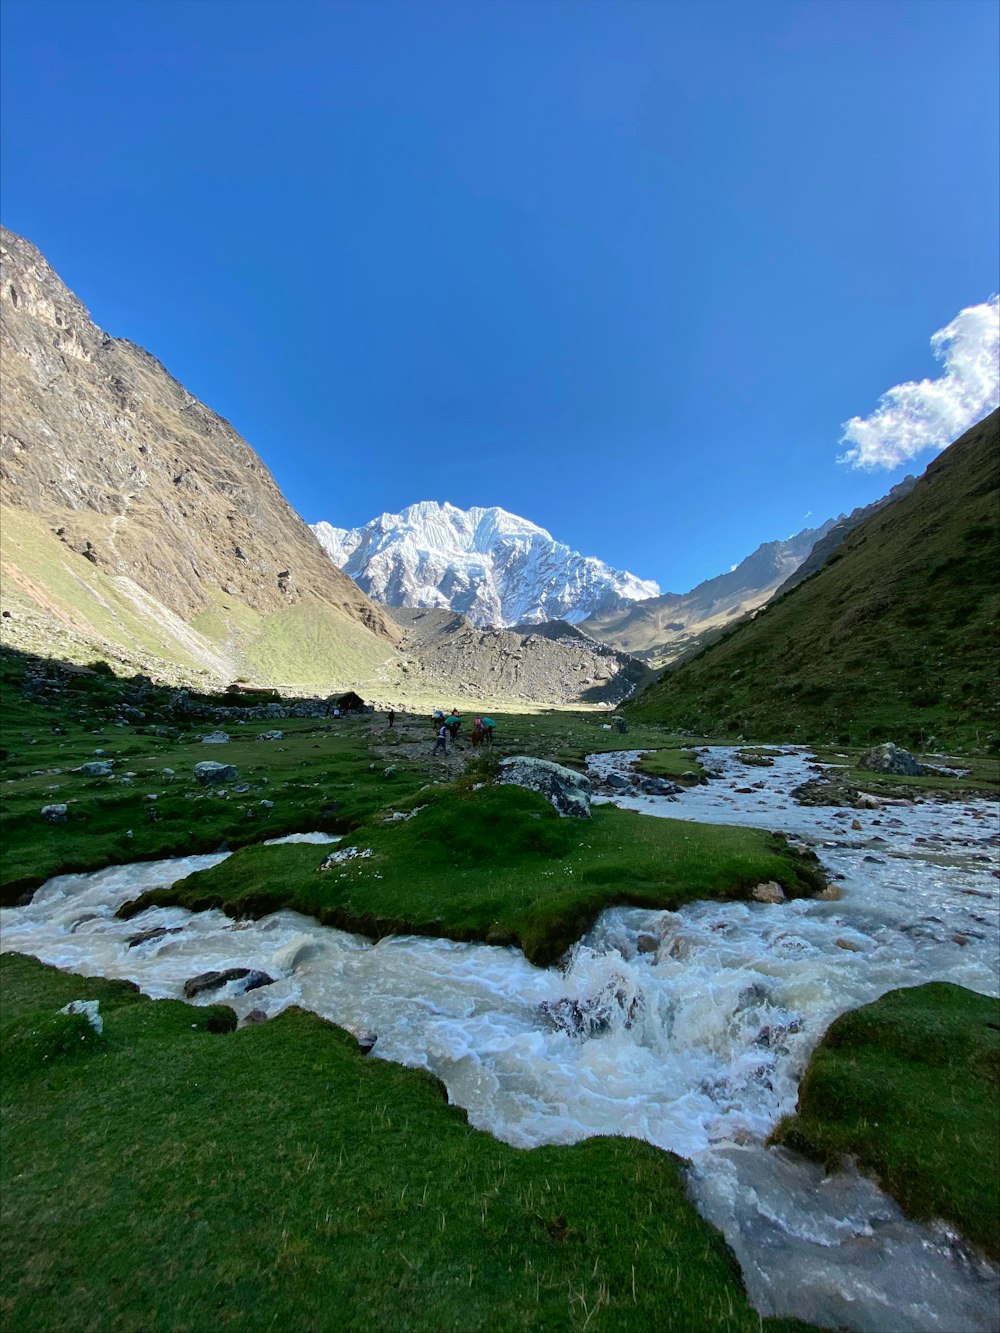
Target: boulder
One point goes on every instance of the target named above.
(771, 892)
(209, 771)
(890, 758)
(212, 980)
(216, 738)
(254, 1017)
(89, 1010)
(97, 768)
(271, 736)
(569, 792)
(618, 780)
(366, 1042)
(54, 814)
(256, 979)
(657, 787)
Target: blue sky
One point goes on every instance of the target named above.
(625, 269)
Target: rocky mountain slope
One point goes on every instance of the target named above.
(491, 566)
(660, 629)
(447, 658)
(138, 525)
(895, 637)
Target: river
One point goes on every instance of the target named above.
(689, 1029)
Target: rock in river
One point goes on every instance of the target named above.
(565, 789)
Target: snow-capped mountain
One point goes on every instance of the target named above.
(493, 567)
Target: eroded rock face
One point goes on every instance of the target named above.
(569, 792)
(130, 479)
(890, 758)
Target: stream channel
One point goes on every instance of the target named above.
(690, 1029)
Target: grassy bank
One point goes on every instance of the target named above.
(167, 1177)
(907, 1086)
(496, 864)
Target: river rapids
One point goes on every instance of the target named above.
(690, 1029)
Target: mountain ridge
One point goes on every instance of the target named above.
(493, 567)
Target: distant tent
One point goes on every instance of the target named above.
(347, 703)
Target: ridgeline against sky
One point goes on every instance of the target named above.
(624, 269)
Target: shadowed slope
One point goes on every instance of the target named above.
(895, 637)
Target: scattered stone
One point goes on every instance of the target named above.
(875, 860)
(215, 738)
(153, 933)
(254, 1017)
(212, 980)
(97, 768)
(657, 787)
(831, 894)
(569, 792)
(89, 1009)
(87, 916)
(646, 943)
(856, 825)
(267, 805)
(208, 771)
(843, 943)
(868, 802)
(890, 758)
(618, 780)
(366, 1042)
(55, 814)
(827, 791)
(271, 736)
(769, 892)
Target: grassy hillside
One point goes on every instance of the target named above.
(894, 638)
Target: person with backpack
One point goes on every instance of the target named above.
(477, 733)
(441, 744)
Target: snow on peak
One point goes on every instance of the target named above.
(492, 566)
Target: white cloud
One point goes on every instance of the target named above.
(930, 415)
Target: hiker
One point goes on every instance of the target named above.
(477, 733)
(441, 744)
(620, 726)
(392, 716)
(488, 725)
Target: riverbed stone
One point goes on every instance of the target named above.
(568, 791)
(256, 979)
(212, 980)
(768, 892)
(657, 787)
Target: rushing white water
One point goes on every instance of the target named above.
(688, 1029)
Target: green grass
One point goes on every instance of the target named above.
(498, 865)
(322, 775)
(908, 1087)
(895, 638)
(168, 1178)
